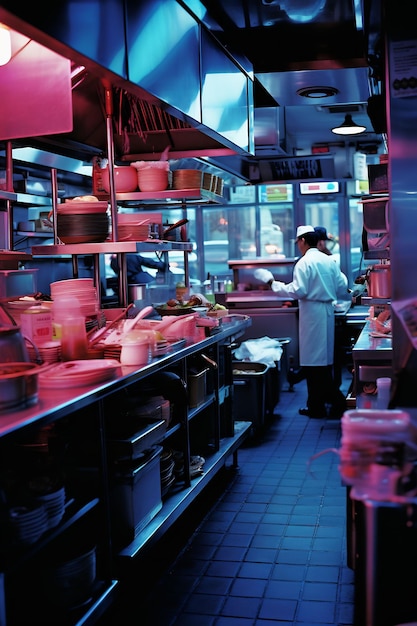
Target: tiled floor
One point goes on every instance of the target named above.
(271, 547)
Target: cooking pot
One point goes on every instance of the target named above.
(379, 281)
(18, 385)
(12, 345)
(137, 291)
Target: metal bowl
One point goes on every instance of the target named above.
(18, 385)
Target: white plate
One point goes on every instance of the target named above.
(83, 372)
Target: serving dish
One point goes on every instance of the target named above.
(164, 309)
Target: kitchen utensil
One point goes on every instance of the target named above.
(12, 345)
(113, 323)
(169, 235)
(135, 352)
(18, 385)
(379, 281)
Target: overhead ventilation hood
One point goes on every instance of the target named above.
(144, 122)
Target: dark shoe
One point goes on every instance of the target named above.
(295, 376)
(307, 413)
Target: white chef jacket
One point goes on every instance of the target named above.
(317, 283)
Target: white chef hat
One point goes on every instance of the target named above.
(303, 230)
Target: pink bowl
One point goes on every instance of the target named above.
(125, 179)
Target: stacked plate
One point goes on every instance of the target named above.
(81, 289)
(186, 179)
(82, 227)
(196, 464)
(28, 524)
(49, 352)
(161, 347)
(167, 471)
(135, 230)
(54, 504)
(71, 374)
(112, 351)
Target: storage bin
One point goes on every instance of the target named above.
(249, 386)
(135, 496)
(17, 283)
(197, 388)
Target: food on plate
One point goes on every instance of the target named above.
(85, 199)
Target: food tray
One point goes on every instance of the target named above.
(169, 310)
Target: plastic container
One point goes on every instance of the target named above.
(371, 437)
(70, 328)
(197, 388)
(136, 496)
(383, 392)
(249, 389)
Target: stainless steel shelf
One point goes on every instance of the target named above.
(176, 503)
(169, 195)
(112, 247)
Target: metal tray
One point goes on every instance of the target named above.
(132, 447)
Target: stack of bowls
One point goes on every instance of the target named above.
(54, 503)
(125, 179)
(152, 175)
(81, 221)
(28, 523)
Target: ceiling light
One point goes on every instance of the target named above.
(5, 45)
(348, 127)
(317, 92)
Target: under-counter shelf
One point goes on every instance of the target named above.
(219, 442)
(177, 501)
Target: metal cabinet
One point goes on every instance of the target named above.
(66, 419)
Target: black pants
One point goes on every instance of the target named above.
(323, 390)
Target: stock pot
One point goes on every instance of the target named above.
(379, 281)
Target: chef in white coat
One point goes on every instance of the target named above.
(317, 283)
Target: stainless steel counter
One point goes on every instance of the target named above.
(374, 348)
(56, 403)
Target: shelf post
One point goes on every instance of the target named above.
(110, 156)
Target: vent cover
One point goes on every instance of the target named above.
(342, 109)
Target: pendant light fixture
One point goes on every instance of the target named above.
(349, 127)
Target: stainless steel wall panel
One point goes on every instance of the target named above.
(402, 142)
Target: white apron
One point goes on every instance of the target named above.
(317, 283)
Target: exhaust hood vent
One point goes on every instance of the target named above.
(342, 109)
